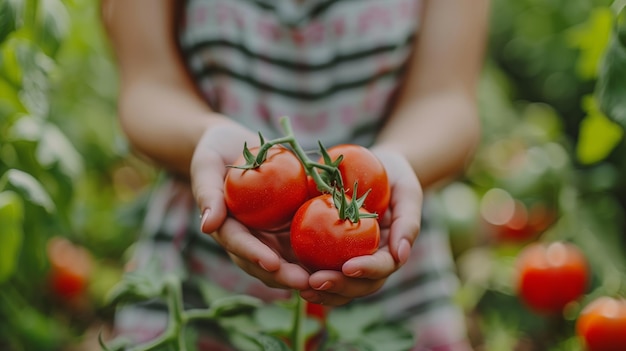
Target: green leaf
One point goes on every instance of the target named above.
(243, 340)
(9, 103)
(591, 38)
(29, 187)
(274, 318)
(53, 23)
(11, 12)
(9, 66)
(138, 285)
(598, 135)
(27, 128)
(231, 305)
(389, 338)
(55, 148)
(351, 323)
(11, 232)
(611, 85)
(270, 343)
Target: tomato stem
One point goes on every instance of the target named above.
(309, 166)
(297, 333)
(333, 183)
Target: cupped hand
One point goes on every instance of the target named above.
(265, 256)
(364, 275)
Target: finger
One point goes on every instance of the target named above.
(378, 265)
(207, 175)
(332, 282)
(406, 207)
(323, 298)
(237, 240)
(288, 275)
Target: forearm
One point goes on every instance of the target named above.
(435, 122)
(438, 134)
(160, 111)
(164, 122)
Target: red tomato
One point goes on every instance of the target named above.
(526, 223)
(515, 228)
(321, 240)
(551, 275)
(316, 311)
(360, 165)
(265, 198)
(602, 324)
(70, 268)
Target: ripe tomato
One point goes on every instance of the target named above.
(321, 240)
(360, 165)
(602, 324)
(266, 197)
(316, 311)
(551, 275)
(70, 268)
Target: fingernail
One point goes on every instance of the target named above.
(355, 274)
(325, 286)
(263, 266)
(310, 295)
(404, 250)
(205, 215)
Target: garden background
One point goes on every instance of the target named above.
(551, 166)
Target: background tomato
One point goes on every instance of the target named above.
(70, 268)
(320, 240)
(510, 220)
(361, 165)
(316, 311)
(265, 198)
(602, 324)
(551, 275)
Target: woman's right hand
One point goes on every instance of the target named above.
(262, 255)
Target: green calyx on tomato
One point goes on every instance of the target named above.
(267, 196)
(350, 164)
(350, 210)
(279, 186)
(321, 241)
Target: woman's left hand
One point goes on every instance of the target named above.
(364, 275)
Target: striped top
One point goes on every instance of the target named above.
(330, 65)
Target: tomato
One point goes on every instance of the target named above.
(551, 275)
(511, 220)
(602, 324)
(321, 240)
(70, 268)
(266, 197)
(360, 165)
(316, 311)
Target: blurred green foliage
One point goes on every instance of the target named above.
(65, 170)
(552, 102)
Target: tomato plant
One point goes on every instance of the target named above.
(265, 196)
(551, 275)
(602, 324)
(321, 239)
(70, 268)
(360, 165)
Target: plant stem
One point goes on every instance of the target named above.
(297, 333)
(173, 333)
(309, 166)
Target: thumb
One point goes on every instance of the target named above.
(207, 182)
